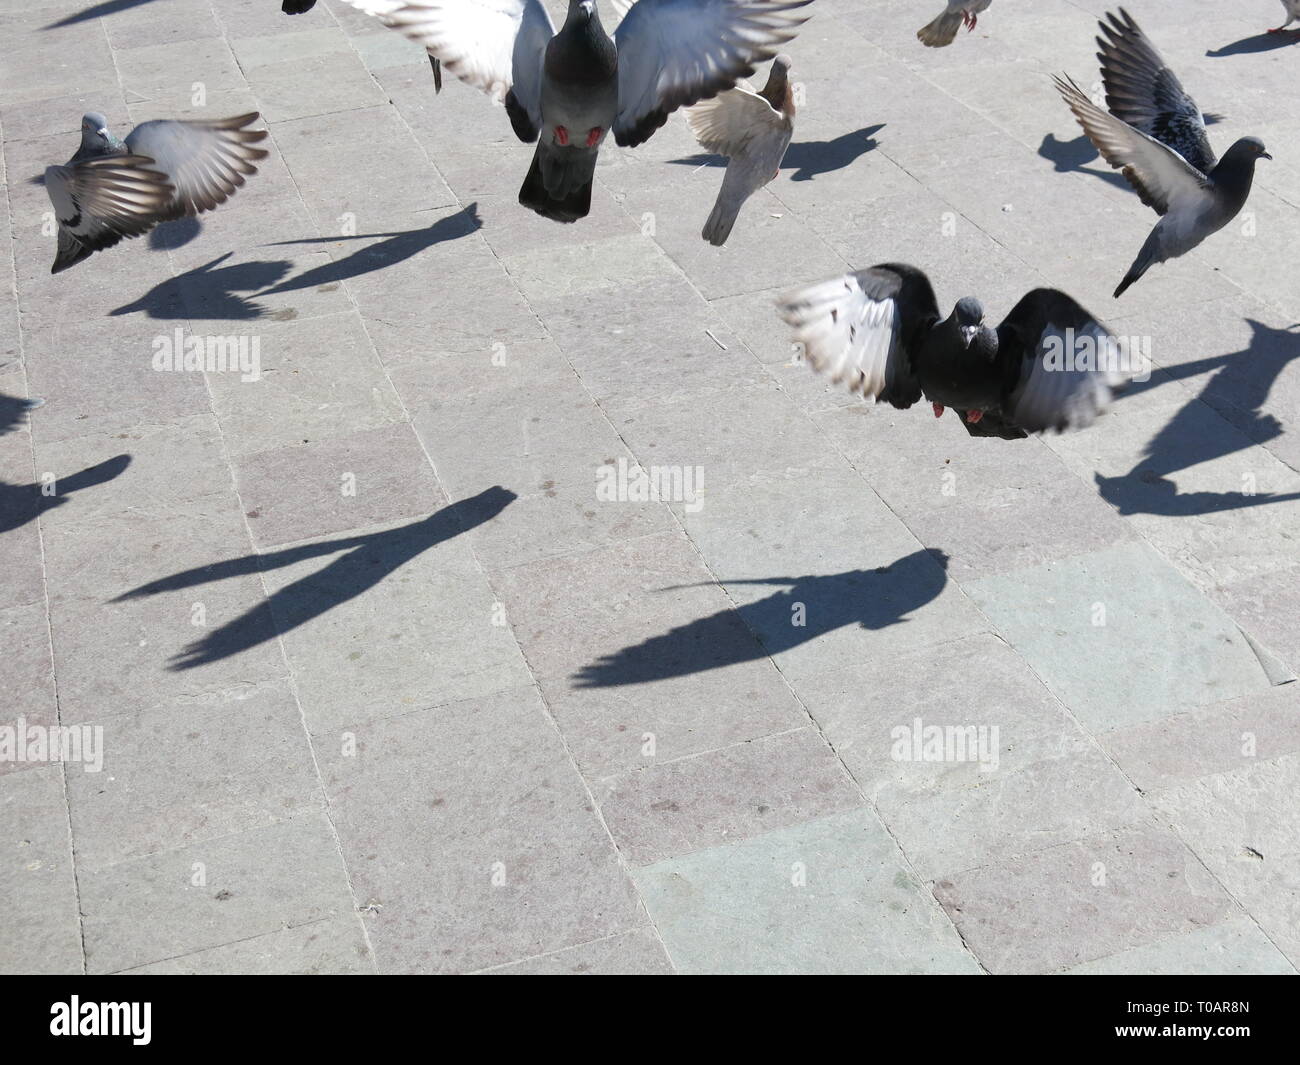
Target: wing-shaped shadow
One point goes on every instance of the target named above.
(807, 608)
(210, 291)
(174, 234)
(1262, 42)
(808, 158)
(21, 503)
(108, 7)
(1238, 392)
(1071, 157)
(395, 249)
(13, 411)
(369, 559)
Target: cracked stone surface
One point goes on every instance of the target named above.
(365, 673)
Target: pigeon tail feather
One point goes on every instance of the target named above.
(942, 31)
(567, 206)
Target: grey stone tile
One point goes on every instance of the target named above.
(724, 796)
(314, 86)
(333, 946)
(212, 893)
(473, 855)
(1236, 947)
(347, 482)
(1165, 649)
(26, 674)
(829, 896)
(1090, 899)
(149, 70)
(628, 954)
(42, 934)
(1239, 825)
(177, 775)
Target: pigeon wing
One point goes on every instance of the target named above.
(1142, 91)
(726, 123)
(672, 53)
(1062, 366)
(493, 45)
(865, 328)
(1159, 174)
(205, 161)
(99, 201)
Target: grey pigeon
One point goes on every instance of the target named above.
(753, 129)
(941, 32)
(567, 90)
(1155, 135)
(300, 7)
(1292, 13)
(1049, 365)
(112, 189)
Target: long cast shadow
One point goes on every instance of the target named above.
(21, 503)
(215, 292)
(873, 599)
(108, 7)
(13, 411)
(1237, 392)
(1263, 42)
(398, 247)
(370, 558)
(809, 158)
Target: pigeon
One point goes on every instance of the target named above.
(753, 129)
(1049, 365)
(1292, 13)
(943, 30)
(299, 7)
(112, 189)
(567, 90)
(1155, 136)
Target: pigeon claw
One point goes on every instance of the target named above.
(972, 416)
(561, 135)
(938, 409)
(593, 135)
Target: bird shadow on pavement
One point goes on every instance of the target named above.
(175, 234)
(1262, 42)
(14, 410)
(809, 158)
(1070, 157)
(369, 558)
(1237, 392)
(21, 503)
(108, 7)
(215, 292)
(871, 598)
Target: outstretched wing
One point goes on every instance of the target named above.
(205, 161)
(1061, 365)
(865, 328)
(726, 123)
(672, 53)
(100, 201)
(493, 45)
(1159, 174)
(1142, 91)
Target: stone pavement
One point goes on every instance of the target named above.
(386, 682)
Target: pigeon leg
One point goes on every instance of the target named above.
(561, 135)
(938, 409)
(974, 21)
(974, 416)
(593, 135)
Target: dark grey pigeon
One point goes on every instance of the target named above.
(1049, 365)
(1155, 135)
(567, 91)
(111, 189)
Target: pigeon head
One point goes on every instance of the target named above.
(581, 10)
(1248, 148)
(969, 316)
(94, 130)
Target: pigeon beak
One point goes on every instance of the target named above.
(1265, 155)
(102, 131)
(968, 334)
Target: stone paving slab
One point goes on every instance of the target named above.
(384, 681)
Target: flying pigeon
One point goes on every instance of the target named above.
(753, 129)
(1292, 13)
(567, 90)
(943, 30)
(112, 189)
(300, 7)
(1155, 135)
(1049, 365)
